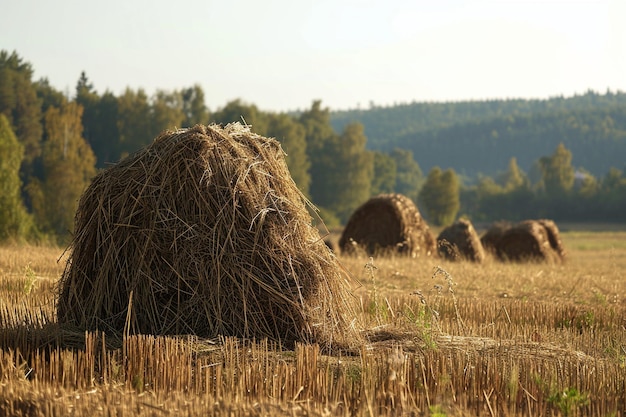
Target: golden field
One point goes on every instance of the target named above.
(445, 338)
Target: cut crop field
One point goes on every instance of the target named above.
(443, 339)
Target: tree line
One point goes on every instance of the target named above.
(52, 144)
(480, 137)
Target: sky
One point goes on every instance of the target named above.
(281, 55)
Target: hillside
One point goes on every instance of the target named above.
(481, 137)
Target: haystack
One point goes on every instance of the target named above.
(388, 223)
(554, 236)
(204, 232)
(491, 238)
(526, 241)
(460, 241)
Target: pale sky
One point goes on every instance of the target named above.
(283, 54)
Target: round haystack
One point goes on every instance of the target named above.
(204, 232)
(526, 241)
(388, 223)
(491, 238)
(460, 241)
(553, 236)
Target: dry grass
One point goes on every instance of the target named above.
(445, 338)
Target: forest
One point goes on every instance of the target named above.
(480, 137)
(561, 158)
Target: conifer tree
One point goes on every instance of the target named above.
(88, 98)
(107, 146)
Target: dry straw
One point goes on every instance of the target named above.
(491, 238)
(554, 236)
(529, 240)
(388, 223)
(204, 232)
(460, 241)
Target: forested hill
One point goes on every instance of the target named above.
(482, 136)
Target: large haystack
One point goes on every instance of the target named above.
(204, 232)
(460, 241)
(526, 241)
(388, 223)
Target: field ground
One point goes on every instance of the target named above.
(445, 338)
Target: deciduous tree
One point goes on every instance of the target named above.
(68, 164)
(194, 107)
(385, 172)
(134, 121)
(14, 221)
(21, 106)
(353, 171)
(440, 196)
(291, 135)
(238, 111)
(321, 142)
(557, 170)
(409, 177)
(166, 111)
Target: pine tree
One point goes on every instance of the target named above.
(107, 145)
(89, 99)
(48, 96)
(14, 221)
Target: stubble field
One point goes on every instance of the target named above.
(445, 338)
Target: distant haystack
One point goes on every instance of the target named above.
(460, 241)
(554, 236)
(204, 232)
(491, 238)
(530, 240)
(388, 223)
